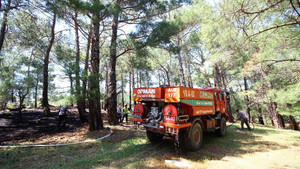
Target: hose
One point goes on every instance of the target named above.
(56, 145)
(239, 128)
(231, 124)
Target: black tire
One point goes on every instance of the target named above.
(222, 130)
(193, 139)
(154, 137)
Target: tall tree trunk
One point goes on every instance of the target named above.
(260, 116)
(188, 66)
(45, 102)
(247, 99)
(20, 107)
(21, 99)
(167, 75)
(12, 95)
(270, 114)
(35, 93)
(37, 80)
(137, 78)
(12, 90)
(133, 81)
(122, 88)
(272, 122)
(112, 89)
(207, 78)
(293, 123)
(140, 77)
(181, 71)
(86, 67)
(217, 77)
(130, 89)
(4, 25)
(71, 89)
(148, 79)
(271, 105)
(282, 120)
(106, 86)
(275, 118)
(159, 80)
(95, 118)
(79, 98)
(202, 65)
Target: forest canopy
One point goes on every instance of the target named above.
(93, 53)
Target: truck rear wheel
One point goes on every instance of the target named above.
(222, 130)
(154, 137)
(194, 139)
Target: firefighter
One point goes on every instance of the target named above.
(62, 117)
(241, 116)
(125, 114)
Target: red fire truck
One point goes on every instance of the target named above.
(181, 113)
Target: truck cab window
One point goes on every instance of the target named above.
(216, 96)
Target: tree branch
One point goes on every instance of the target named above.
(273, 27)
(163, 67)
(125, 51)
(294, 7)
(283, 60)
(257, 12)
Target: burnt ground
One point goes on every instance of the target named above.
(36, 128)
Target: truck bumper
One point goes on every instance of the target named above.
(176, 126)
(163, 128)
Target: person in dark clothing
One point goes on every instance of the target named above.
(62, 117)
(241, 116)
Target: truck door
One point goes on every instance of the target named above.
(217, 100)
(222, 102)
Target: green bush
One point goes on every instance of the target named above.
(14, 106)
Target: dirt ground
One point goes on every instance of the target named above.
(37, 129)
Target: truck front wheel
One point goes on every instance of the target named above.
(222, 130)
(154, 137)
